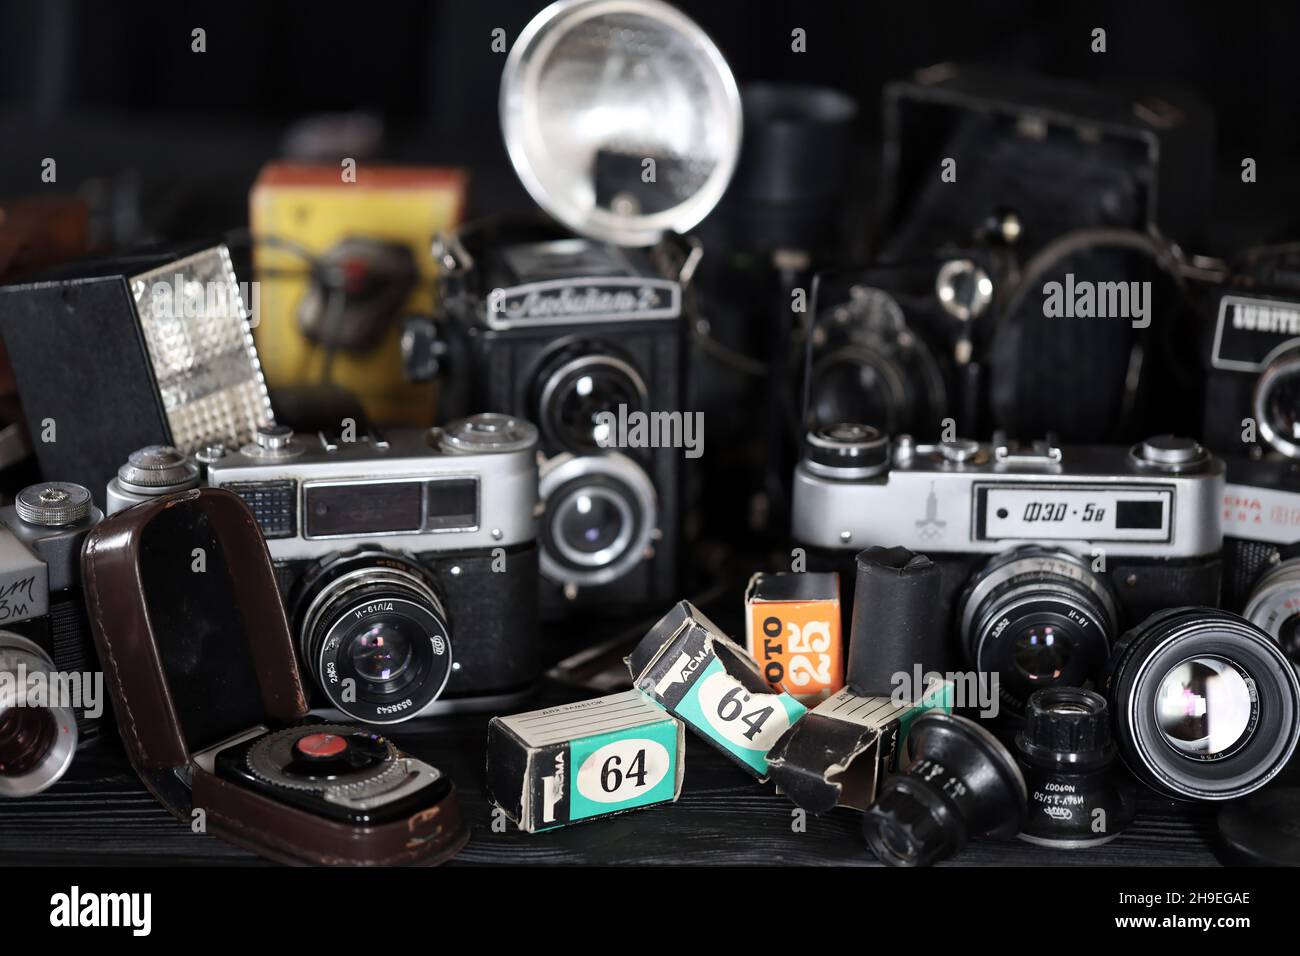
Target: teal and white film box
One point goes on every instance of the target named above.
(713, 684)
(594, 758)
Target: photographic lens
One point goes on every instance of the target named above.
(1037, 617)
(1205, 708)
(599, 519)
(1274, 605)
(1277, 404)
(1065, 753)
(37, 742)
(578, 390)
(373, 634)
(854, 385)
(1041, 653)
(381, 654)
(593, 521)
(961, 783)
(1206, 705)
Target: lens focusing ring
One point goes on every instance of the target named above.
(1148, 655)
(1275, 601)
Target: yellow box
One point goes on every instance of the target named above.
(312, 208)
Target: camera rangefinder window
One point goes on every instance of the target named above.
(394, 507)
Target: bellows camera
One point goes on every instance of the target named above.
(623, 122)
(408, 562)
(1044, 551)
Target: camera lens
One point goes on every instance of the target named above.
(37, 742)
(1274, 605)
(382, 653)
(593, 521)
(1206, 706)
(1065, 753)
(1038, 617)
(1277, 404)
(599, 519)
(870, 367)
(374, 635)
(578, 389)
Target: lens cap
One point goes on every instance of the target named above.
(1262, 830)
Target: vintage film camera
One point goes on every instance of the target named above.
(407, 562)
(41, 536)
(624, 125)
(1043, 179)
(1045, 551)
(1253, 347)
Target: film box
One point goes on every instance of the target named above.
(792, 628)
(686, 664)
(594, 758)
(837, 755)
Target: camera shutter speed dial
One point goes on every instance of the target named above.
(1170, 453)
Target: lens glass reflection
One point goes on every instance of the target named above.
(1205, 708)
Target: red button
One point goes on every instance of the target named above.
(321, 745)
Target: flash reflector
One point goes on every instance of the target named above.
(621, 118)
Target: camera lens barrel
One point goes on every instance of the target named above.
(37, 742)
(374, 635)
(1066, 752)
(1205, 704)
(898, 620)
(1274, 606)
(961, 783)
(1037, 617)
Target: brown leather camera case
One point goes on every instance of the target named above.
(196, 650)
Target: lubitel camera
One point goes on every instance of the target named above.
(624, 125)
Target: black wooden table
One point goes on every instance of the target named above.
(101, 815)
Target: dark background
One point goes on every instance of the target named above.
(169, 140)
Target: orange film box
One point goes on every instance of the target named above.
(792, 627)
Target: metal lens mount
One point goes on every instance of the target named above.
(621, 118)
(600, 519)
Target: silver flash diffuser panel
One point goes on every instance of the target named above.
(635, 80)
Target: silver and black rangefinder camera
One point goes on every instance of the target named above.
(408, 562)
(1045, 552)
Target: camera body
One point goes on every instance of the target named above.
(560, 329)
(407, 562)
(1253, 353)
(41, 536)
(1104, 534)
